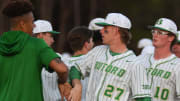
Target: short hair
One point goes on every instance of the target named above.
(125, 35)
(16, 8)
(78, 36)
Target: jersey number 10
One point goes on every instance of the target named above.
(164, 93)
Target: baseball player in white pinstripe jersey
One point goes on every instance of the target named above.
(163, 66)
(76, 45)
(113, 74)
(43, 29)
(80, 40)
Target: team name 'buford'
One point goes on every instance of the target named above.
(159, 73)
(109, 69)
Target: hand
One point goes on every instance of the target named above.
(61, 89)
(75, 94)
(67, 90)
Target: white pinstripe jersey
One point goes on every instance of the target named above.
(164, 75)
(70, 62)
(50, 86)
(113, 78)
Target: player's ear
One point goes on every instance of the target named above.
(21, 24)
(171, 38)
(86, 45)
(117, 31)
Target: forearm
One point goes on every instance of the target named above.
(76, 91)
(62, 77)
(75, 77)
(76, 83)
(61, 69)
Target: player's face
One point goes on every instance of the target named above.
(28, 23)
(108, 33)
(160, 38)
(176, 49)
(48, 38)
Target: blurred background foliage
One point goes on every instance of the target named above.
(66, 14)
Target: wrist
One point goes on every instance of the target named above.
(61, 81)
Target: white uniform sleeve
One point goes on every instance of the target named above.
(59, 55)
(87, 60)
(177, 73)
(140, 85)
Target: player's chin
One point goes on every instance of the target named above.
(104, 42)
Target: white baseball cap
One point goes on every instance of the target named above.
(116, 19)
(166, 25)
(93, 26)
(43, 26)
(144, 42)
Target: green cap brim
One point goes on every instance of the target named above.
(54, 32)
(103, 24)
(152, 27)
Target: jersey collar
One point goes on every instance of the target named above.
(169, 58)
(118, 55)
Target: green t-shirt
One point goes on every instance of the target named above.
(20, 67)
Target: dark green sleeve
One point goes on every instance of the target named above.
(46, 53)
(74, 73)
(143, 99)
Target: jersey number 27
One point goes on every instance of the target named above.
(110, 89)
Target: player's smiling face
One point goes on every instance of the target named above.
(108, 34)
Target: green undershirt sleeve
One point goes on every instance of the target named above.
(74, 74)
(143, 99)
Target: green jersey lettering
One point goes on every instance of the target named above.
(114, 70)
(154, 72)
(103, 67)
(98, 65)
(160, 72)
(167, 75)
(121, 72)
(108, 69)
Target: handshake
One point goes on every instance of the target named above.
(70, 93)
